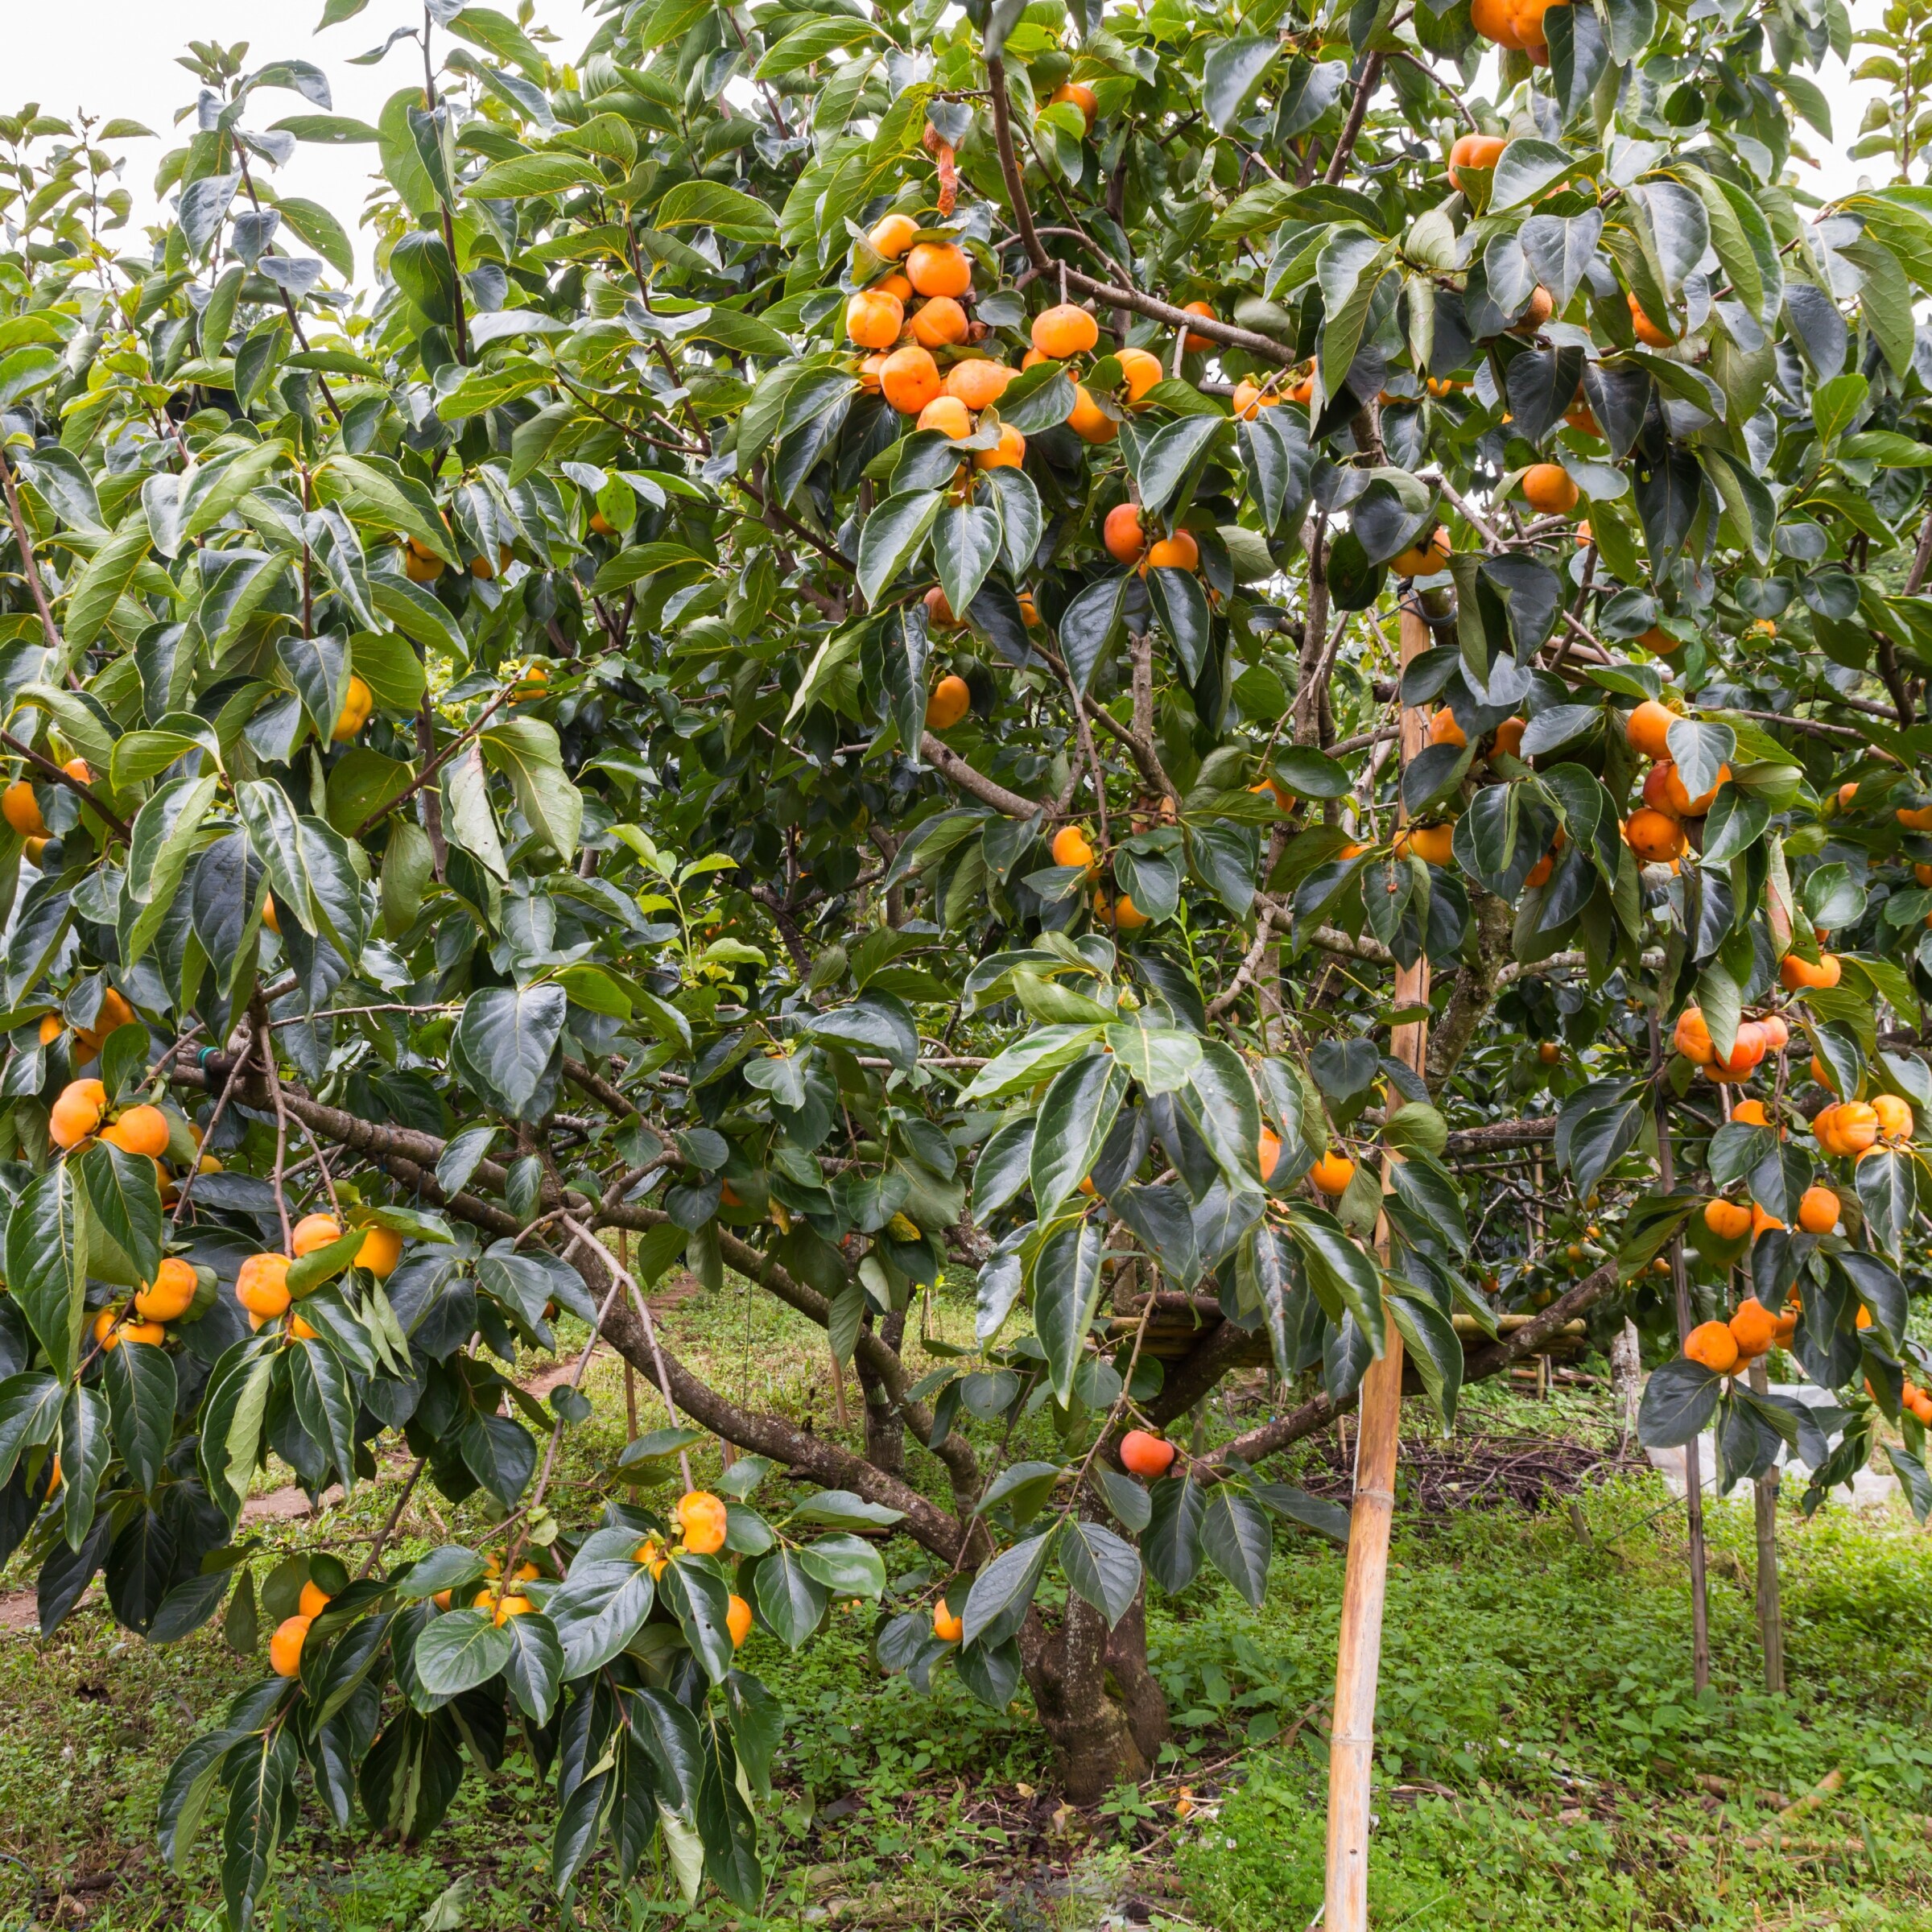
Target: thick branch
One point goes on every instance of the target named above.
(1493, 1135)
(952, 767)
(1474, 990)
(1364, 90)
(1479, 1365)
(411, 1156)
(834, 1466)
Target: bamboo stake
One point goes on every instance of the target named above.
(1359, 1653)
(1764, 1510)
(630, 1374)
(1770, 1613)
(1693, 1481)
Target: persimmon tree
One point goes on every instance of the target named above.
(1095, 651)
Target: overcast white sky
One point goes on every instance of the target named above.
(117, 57)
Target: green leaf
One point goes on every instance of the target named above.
(893, 536)
(142, 1387)
(392, 672)
(1002, 1591)
(1434, 1347)
(1836, 405)
(459, 1650)
(1066, 1282)
(819, 37)
(965, 546)
(103, 580)
(788, 1597)
(508, 1034)
(166, 831)
(526, 751)
(1525, 168)
(370, 495)
(1339, 1272)
(46, 1263)
(1231, 72)
(1679, 1400)
(497, 34)
(30, 1413)
(1100, 1567)
(319, 229)
(1163, 460)
(1348, 271)
(1074, 1120)
(218, 487)
(534, 1669)
(847, 1566)
(733, 212)
(1161, 1058)
(1239, 1540)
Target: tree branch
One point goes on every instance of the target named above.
(952, 767)
(1352, 128)
(55, 775)
(1131, 298)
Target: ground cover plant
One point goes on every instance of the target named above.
(1154, 657)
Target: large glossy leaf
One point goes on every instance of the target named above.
(459, 1650)
(1073, 1123)
(1679, 1400)
(509, 1034)
(142, 1389)
(46, 1263)
(1002, 1591)
(1239, 1540)
(602, 1602)
(526, 751)
(1100, 1567)
(893, 536)
(1066, 1282)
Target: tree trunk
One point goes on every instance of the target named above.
(885, 1427)
(1097, 1701)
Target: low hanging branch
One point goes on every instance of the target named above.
(623, 982)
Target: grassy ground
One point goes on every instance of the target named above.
(1543, 1760)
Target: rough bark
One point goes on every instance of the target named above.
(1307, 725)
(1099, 1705)
(885, 1427)
(1473, 991)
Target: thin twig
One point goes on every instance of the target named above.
(56, 775)
(395, 1516)
(265, 1041)
(214, 1121)
(328, 1180)
(29, 566)
(582, 1236)
(441, 759)
(556, 1433)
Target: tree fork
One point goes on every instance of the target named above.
(1359, 1653)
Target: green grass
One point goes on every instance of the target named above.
(1542, 1761)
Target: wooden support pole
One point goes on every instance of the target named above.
(1359, 1653)
(1770, 1613)
(1693, 1481)
(630, 1374)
